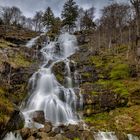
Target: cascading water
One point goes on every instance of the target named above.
(132, 137)
(105, 136)
(32, 42)
(112, 136)
(12, 136)
(46, 93)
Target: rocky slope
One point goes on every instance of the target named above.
(110, 85)
(16, 66)
(109, 82)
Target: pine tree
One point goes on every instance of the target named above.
(69, 14)
(48, 18)
(87, 21)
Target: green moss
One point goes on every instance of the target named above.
(19, 61)
(120, 71)
(94, 93)
(125, 119)
(59, 77)
(86, 75)
(96, 60)
(100, 121)
(115, 86)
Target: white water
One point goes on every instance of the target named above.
(12, 136)
(46, 93)
(132, 137)
(105, 136)
(112, 136)
(32, 42)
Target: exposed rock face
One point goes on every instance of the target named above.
(16, 122)
(17, 63)
(103, 102)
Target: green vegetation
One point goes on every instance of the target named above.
(115, 86)
(124, 119)
(120, 71)
(5, 44)
(19, 60)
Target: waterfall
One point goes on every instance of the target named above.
(132, 137)
(12, 136)
(105, 136)
(32, 42)
(112, 136)
(59, 103)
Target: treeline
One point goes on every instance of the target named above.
(72, 18)
(119, 22)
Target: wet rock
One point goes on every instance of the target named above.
(15, 122)
(57, 130)
(38, 116)
(81, 39)
(72, 127)
(87, 135)
(25, 133)
(47, 127)
(121, 136)
(102, 102)
(72, 134)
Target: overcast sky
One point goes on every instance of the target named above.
(29, 7)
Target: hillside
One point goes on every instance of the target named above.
(16, 66)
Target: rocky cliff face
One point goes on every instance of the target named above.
(110, 86)
(16, 66)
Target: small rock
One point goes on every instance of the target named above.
(72, 127)
(25, 133)
(48, 127)
(57, 130)
(38, 116)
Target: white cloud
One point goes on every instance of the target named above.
(29, 7)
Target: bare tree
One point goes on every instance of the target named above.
(6, 14)
(114, 19)
(136, 4)
(38, 21)
(29, 23)
(16, 15)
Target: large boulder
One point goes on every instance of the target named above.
(38, 116)
(15, 122)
